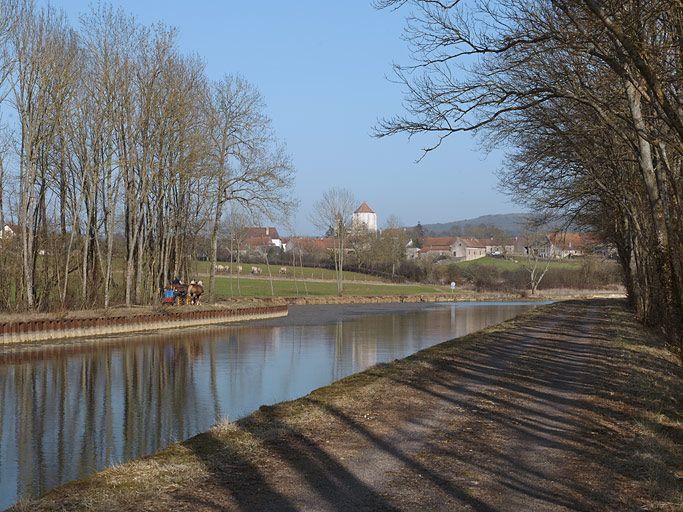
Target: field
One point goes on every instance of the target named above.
(252, 287)
(324, 274)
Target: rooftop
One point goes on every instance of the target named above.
(364, 208)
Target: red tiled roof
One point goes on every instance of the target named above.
(364, 208)
(437, 244)
(446, 241)
(575, 241)
(312, 244)
(269, 232)
(435, 248)
(473, 242)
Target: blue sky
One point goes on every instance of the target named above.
(321, 67)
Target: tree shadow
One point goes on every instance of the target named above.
(232, 479)
(560, 387)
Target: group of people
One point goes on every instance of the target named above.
(193, 291)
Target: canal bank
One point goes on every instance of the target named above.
(570, 406)
(31, 331)
(64, 325)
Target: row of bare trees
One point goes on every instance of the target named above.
(588, 97)
(116, 152)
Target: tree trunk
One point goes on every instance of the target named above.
(218, 213)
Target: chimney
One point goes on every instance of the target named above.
(267, 231)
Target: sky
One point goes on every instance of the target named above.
(322, 69)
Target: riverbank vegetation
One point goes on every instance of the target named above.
(498, 274)
(587, 97)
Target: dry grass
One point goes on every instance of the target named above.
(658, 428)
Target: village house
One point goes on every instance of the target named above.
(412, 250)
(469, 249)
(496, 247)
(564, 245)
(458, 248)
(262, 239)
(559, 245)
(437, 246)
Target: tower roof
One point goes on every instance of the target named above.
(364, 208)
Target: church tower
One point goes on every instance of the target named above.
(365, 217)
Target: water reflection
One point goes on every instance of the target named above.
(70, 410)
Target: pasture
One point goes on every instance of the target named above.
(292, 272)
(250, 287)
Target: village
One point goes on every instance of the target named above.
(257, 241)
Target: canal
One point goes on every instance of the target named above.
(69, 410)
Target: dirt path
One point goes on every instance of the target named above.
(570, 408)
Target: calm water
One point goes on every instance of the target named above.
(76, 408)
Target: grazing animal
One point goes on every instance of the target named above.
(283, 270)
(255, 270)
(195, 290)
(239, 269)
(220, 268)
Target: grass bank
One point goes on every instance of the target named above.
(573, 404)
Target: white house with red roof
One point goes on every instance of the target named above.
(364, 217)
(262, 238)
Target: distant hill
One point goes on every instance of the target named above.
(512, 223)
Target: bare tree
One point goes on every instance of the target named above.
(537, 257)
(249, 166)
(333, 213)
(43, 50)
(588, 95)
(237, 229)
(393, 241)
(124, 147)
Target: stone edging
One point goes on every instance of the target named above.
(41, 330)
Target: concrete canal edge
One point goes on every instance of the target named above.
(43, 330)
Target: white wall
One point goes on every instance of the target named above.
(368, 219)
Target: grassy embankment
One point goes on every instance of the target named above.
(605, 439)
